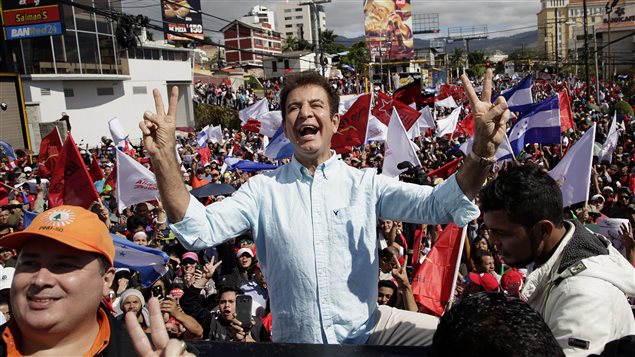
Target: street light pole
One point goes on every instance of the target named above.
(315, 29)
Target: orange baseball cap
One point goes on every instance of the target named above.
(71, 225)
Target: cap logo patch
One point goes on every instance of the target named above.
(59, 218)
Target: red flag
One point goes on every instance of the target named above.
(352, 128)
(432, 282)
(252, 125)
(410, 93)
(446, 170)
(447, 90)
(467, 124)
(383, 111)
(70, 182)
(49, 155)
(4, 196)
(566, 118)
(111, 180)
(205, 155)
(95, 171)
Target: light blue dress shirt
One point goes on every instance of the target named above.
(317, 242)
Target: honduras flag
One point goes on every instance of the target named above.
(279, 146)
(519, 96)
(202, 137)
(7, 150)
(541, 125)
(149, 262)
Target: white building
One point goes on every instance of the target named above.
(295, 20)
(292, 62)
(87, 75)
(260, 14)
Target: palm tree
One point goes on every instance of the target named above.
(290, 44)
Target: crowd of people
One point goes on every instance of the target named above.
(303, 238)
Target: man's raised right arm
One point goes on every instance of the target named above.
(159, 140)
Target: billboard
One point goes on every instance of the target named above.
(388, 29)
(184, 17)
(31, 18)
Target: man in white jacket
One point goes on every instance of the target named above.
(578, 281)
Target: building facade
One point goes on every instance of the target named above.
(240, 36)
(89, 76)
(260, 14)
(295, 20)
(293, 62)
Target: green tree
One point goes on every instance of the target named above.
(456, 59)
(328, 42)
(357, 56)
(212, 114)
(290, 44)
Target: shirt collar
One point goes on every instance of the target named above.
(326, 168)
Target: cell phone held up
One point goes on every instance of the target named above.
(243, 310)
(157, 292)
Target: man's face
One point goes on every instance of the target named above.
(513, 241)
(386, 265)
(142, 210)
(308, 124)
(4, 216)
(132, 303)
(227, 305)
(244, 261)
(487, 264)
(384, 294)
(56, 288)
(107, 171)
(141, 240)
(5, 309)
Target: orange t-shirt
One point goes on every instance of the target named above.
(11, 337)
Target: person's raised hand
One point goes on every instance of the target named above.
(161, 344)
(159, 128)
(490, 119)
(626, 235)
(210, 268)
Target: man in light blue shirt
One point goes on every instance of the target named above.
(313, 220)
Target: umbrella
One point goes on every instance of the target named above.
(213, 189)
(593, 107)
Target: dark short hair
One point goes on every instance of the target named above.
(493, 324)
(228, 288)
(387, 284)
(477, 257)
(305, 79)
(526, 193)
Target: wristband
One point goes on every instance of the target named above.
(483, 161)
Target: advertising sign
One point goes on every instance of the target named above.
(388, 28)
(183, 17)
(31, 18)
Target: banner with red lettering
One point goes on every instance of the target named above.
(135, 183)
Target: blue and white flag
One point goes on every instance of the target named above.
(248, 166)
(28, 218)
(7, 150)
(519, 96)
(209, 133)
(202, 137)
(541, 125)
(279, 146)
(149, 262)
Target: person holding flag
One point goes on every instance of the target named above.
(321, 268)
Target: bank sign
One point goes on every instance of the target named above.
(31, 18)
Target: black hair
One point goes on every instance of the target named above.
(304, 79)
(389, 284)
(227, 288)
(493, 324)
(135, 221)
(526, 193)
(478, 255)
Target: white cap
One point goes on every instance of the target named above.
(6, 277)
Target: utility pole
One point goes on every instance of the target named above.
(609, 10)
(556, 52)
(586, 51)
(597, 74)
(315, 29)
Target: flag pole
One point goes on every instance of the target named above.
(456, 268)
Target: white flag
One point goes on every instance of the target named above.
(117, 132)
(503, 153)
(376, 130)
(215, 134)
(447, 125)
(573, 172)
(426, 120)
(446, 103)
(253, 112)
(398, 147)
(270, 122)
(135, 183)
(606, 153)
(203, 136)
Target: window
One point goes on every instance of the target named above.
(286, 64)
(298, 9)
(287, 18)
(105, 91)
(68, 92)
(88, 52)
(274, 66)
(45, 91)
(287, 10)
(168, 55)
(288, 26)
(298, 17)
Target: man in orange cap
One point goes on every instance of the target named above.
(64, 268)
